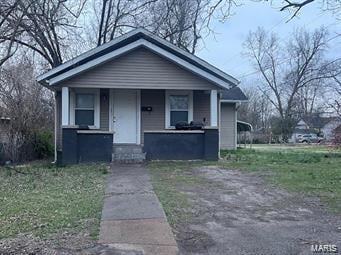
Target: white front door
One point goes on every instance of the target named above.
(125, 116)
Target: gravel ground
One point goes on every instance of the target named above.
(237, 213)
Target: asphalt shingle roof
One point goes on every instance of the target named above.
(234, 94)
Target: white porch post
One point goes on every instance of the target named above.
(65, 106)
(214, 108)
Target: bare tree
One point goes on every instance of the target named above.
(116, 16)
(334, 95)
(7, 48)
(183, 23)
(257, 111)
(289, 70)
(296, 6)
(43, 26)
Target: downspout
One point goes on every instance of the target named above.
(236, 121)
(55, 127)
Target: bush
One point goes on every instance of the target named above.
(337, 141)
(3, 156)
(42, 144)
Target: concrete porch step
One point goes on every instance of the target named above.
(127, 148)
(128, 153)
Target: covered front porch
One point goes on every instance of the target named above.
(126, 115)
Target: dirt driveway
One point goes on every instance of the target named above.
(237, 213)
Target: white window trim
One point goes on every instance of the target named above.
(188, 93)
(96, 93)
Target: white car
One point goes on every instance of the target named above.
(309, 138)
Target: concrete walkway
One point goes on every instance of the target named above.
(133, 220)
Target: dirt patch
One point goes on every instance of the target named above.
(66, 243)
(237, 213)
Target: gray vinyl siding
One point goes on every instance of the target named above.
(104, 109)
(58, 100)
(142, 69)
(201, 106)
(228, 126)
(154, 120)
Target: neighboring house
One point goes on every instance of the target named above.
(328, 130)
(302, 125)
(127, 96)
(337, 132)
(323, 126)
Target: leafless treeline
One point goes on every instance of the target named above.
(295, 76)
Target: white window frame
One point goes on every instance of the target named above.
(96, 93)
(169, 93)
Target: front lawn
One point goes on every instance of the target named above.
(312, 170)
(39, 199)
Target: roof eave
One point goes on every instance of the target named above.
(233, 101)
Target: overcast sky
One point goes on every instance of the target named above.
(224, 48)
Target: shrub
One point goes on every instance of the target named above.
(42, 144)
(337, 141)
(3, 156)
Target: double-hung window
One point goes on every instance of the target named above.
(179, 107)
(84, 109)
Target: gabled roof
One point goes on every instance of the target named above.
(234, 94)
(127, 42)
(316, 121)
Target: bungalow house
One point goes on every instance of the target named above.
(317, 124)
(123, 100)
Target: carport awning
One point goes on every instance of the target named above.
(243, 126)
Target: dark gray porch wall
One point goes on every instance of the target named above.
(182, 145)
(85, 146)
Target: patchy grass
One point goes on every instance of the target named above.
(313, 170)
(166, 177)
(40, 199)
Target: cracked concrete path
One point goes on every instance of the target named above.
(133, 220)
